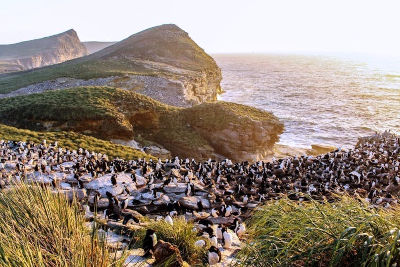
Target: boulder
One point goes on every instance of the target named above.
(65, 186)
(191, 202)
(10, 165)
(163, 200)
(176, 189)
(140, 181)
(114, 190)
(101, 203)
(158, 152)
(68, 164)
(105, 181)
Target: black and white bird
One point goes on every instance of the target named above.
(149, 242)
(124, 204)
(214, 240)
(214, 255)
(214, 213)
(114, 179)
(226, 238)
(219, 232)
(168, 219)
(240, 228)
(129, 217)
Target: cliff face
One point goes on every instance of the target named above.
(209, 130)
(41, 52)
(236, 131)
(170, 52)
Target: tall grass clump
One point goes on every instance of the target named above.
(344, 233)
(182, 235)
(41, 228)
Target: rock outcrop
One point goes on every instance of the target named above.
(41, 52)
(236, 131)
(169, 50)
(209, 130)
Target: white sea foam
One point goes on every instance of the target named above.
(321, 100)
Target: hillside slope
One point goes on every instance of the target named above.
(207, 130)
(162, 62)
(41, 52)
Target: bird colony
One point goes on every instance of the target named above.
(216, 195)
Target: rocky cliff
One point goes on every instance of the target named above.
(209, 130)
(169, 50)
(41, 52)
(162, 62)
(236, 131)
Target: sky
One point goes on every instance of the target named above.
(219, 26)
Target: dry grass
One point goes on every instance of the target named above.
(40, 228)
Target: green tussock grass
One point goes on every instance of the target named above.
(181, 235)
(40, 228)
(71, 141)
(344, 233)
(219, 115)
(112, 113)
(82, 103)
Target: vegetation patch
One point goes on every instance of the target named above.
(343, 233)
(112, 113)
(40, 228)
(72, 140)
(220, 114)
(182, 235)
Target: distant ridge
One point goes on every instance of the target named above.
(94, 46)
(41, 52)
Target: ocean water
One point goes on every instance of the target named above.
(329, 100)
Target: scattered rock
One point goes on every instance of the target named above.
(191, 202)
(158, 152)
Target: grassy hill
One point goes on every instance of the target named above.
(112, 113)
(167, 45)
